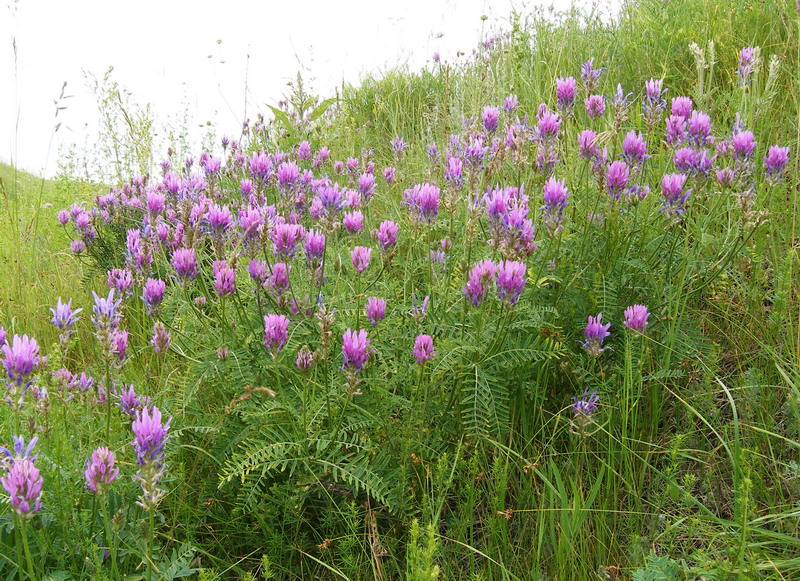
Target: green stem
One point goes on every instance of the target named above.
(150, 535)
(26, 548)
(112, 545)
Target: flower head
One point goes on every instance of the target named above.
(387, 235)
(100, 470)
(594, 335)
(477, 287)
(510, 277)
(490, 117)
(150, 439)
(184, 260)
(376, 310)
(276, 333)
(423, 348)
(161, 339)
(360, 256)
(636, 318)
(355, 347)
(21, 356)
(23, 483)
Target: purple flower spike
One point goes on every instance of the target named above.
(423, 202)
(584, 407)
(153, 294)
(565, 93)
(23, 483)
(161, 340)
(100, 470)
(19, 452)
(353, 221)
(376, 310)
(64, 318)
(674, 195)
(491, 117)
(636, 318)
(775, 163)
(747, 62)
(105, 314)
(224, 278)
(355, 347)
(586, 145)
(423, 348)
(510, 278)
(595, 106)
(360, 256)
(276, 333)
(184, 260)
(21, 356)
(594, 334)
(121, 279)
(150, 439)
(556, 199)
(590, 75)
(387, 235)
(617, 178)
(477, 287)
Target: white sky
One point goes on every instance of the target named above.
(167, 53)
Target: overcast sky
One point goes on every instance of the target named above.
(193, 55)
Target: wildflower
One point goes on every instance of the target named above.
(682, 106)
(674, 196)
(161, 339)
(3, 336)
(305, 358)
(423, 348)
(422, 201)
(353, 221)
(21, 357)
(285, 238)
(119, 345)
(184, 260)
(150, 438)
(699, 127)
(586, 145)
(418, 311)
(389, 175)
(490, 117)
(510, 103)
(77, 246)
(654, 102)
(19, 452)
(583, 409)
(743, 144)
(64, 318)
(275, 333)
(153, 294)
(304, 150)
(278, 283)
(288, 173)
(387, 235)
(100, 470)
(636, 318)
(676, 130)
(121, 280)
(556, 199)
(219, 218)
(477, 287)
(454, 174)
(314, 246)
(510, 278)
(23, 483)
(589, 76)
(398, 145)
(594, 335)
(360, 256)
(366, 185)
(376, 310)
(595, 106)
(129, 402)
(748, 59)
(775, 163)
(355, 347)
(617, 178)
(565, 94)
(634, 149)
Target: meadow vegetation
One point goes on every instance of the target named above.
(527, 315)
